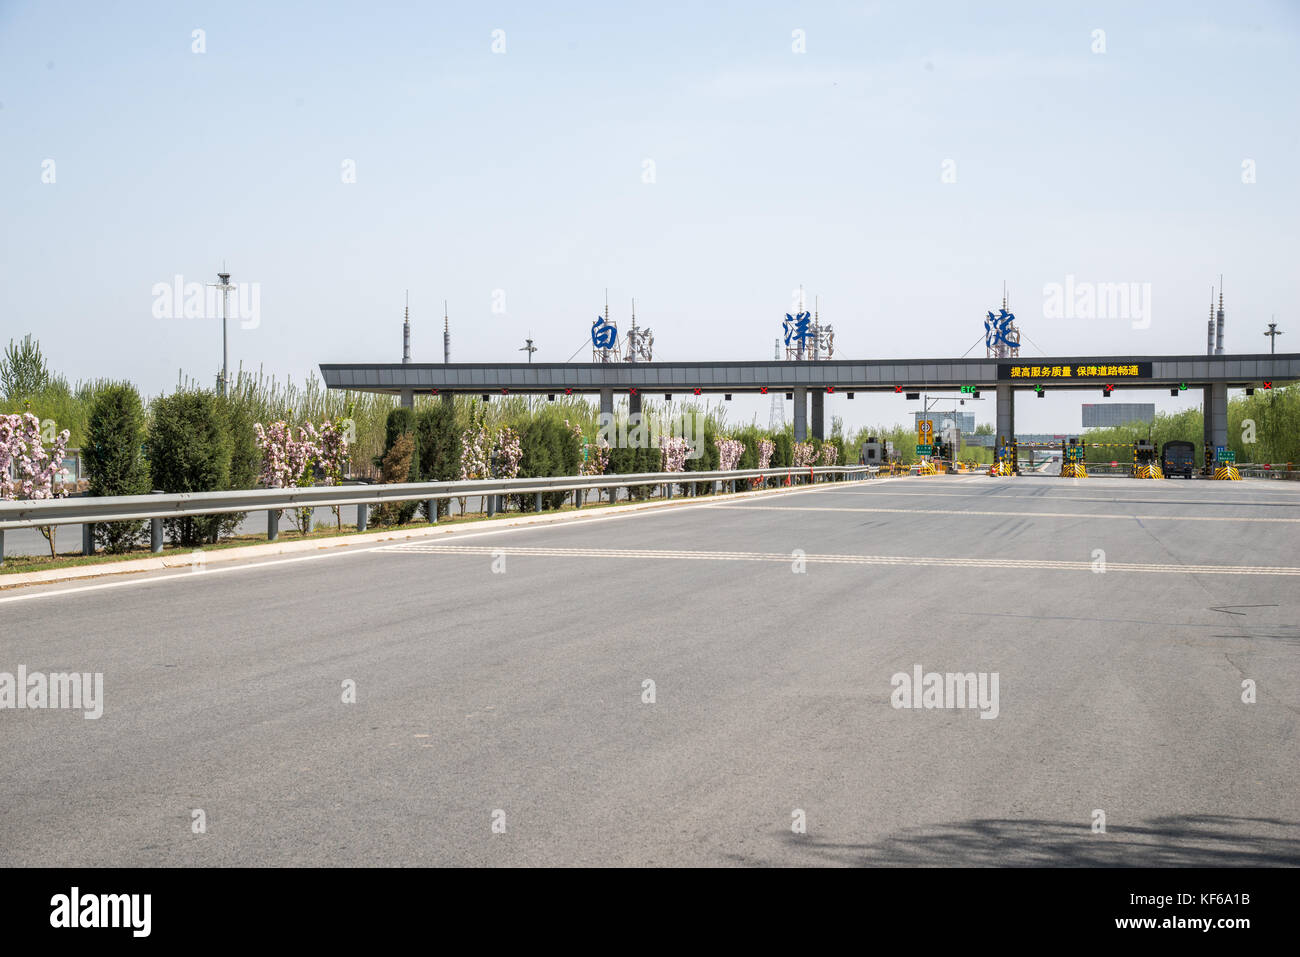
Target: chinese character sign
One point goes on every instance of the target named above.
(796, 328)
(997, 329)
(604, 334)
(1122, 370)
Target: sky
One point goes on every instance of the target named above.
(900, 161)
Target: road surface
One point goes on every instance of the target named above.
(772, 628)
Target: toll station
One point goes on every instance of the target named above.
(810, 385)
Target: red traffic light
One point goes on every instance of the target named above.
(1268, 385)
(898, 388)
(505, 391)
(697, 391)
(568, 392)
(631, 391)
(763, 390)
(830, 389)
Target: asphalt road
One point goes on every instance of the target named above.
(520, 691)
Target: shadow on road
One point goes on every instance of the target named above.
(1188, 841)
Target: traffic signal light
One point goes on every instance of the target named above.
(1106, 390)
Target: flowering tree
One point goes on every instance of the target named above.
(332, 444)
(672, 452)
(290, 459)
(765, 449)
(804, 454)
(34, 467)
(593, 459)
(507, 452)
(729, 453)
(829, 455)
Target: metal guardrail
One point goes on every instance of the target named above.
(1247, 471)
(89, 510)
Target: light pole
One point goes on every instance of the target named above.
(530, 349)
(1273, 333)
(224, 286)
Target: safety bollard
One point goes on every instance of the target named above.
(432, 506)
(272, 524)
(539, 502)
(2, 548)
(363, 516)
(88, 538)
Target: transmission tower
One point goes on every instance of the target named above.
(776, 418)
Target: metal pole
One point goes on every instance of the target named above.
(539, 494)
(272, 524)
(363, 517)
(2, 548)
(88, 538)
(156, 530)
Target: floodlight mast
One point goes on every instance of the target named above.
(223, 284)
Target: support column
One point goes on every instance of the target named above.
(634, 404)
(819, 413)
(1006, 418)
(800, 414)
(607, 405)
(1207, 416)
(1218, 416)
(447, 398)
(408, 398)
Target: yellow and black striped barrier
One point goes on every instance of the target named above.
(1227, 472)
(1148, 471)
(1073, 470)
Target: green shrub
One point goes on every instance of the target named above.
(783, 450)
(115, 462)
(549, 450)
(437, 435)
(396, 467)
(245, 456)
(189, 450)
(401, 421)
(708, 461)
